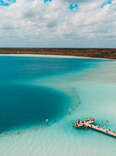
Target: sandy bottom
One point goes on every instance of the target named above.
(93, 94)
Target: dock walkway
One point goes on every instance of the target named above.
(90, 124)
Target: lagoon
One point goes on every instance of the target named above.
(33, 89)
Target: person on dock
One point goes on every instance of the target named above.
(85, 127)
(92, 119)
(74, 124)
(78, 120)
(86, 120)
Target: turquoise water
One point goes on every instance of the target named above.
(33, 89)
(27, 68)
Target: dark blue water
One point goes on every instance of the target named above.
(24, 105)
(28, 104)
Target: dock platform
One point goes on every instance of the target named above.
(89, 123)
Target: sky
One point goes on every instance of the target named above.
(58, 23)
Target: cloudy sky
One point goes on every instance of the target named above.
(58, 23)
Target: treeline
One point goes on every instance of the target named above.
(85, 52)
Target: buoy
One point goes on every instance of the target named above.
(46, 121)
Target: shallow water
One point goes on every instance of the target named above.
(33, 89)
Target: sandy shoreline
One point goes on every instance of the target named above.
(56, 56)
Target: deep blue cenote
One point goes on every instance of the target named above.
(25, 104)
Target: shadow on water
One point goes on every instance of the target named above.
(26, 105)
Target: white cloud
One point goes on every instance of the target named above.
(37, 21)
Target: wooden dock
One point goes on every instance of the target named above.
(90, 124)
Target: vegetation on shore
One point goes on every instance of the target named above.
(85, 52)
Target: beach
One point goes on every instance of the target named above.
(78, 52)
